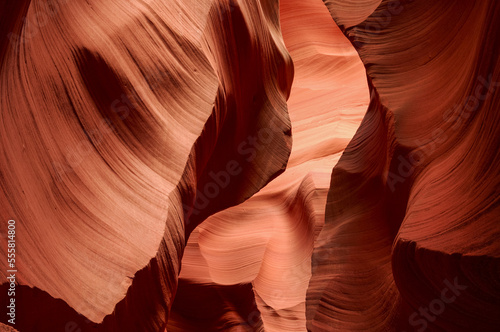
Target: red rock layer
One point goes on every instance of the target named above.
(113, 114)
(267, 241)
(139, 134)
(90, 148)
(411, 220)
(351, 287)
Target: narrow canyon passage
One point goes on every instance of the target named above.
(249, 165)
(266, 242)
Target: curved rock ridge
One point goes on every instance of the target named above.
(90, 142)
(113, 114)
(351, 287)
(147, 162)
(247, 140)
(267, 241)
(348, 13)
(416, 248)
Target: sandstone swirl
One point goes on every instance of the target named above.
(411, 229)
(261, 249)
(113, 115)
(147, 159)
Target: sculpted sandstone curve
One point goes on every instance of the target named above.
(421, 165)
(238, 165)
(119, 116)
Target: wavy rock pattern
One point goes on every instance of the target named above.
(147, 159)
(267, 241)
(142, 104)
(411, 219)
(82, 129)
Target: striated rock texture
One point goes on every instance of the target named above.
(410, 240)
(113, 114)
(266, 242)
(147, 160)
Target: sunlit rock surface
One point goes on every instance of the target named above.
(267, 241)
(410, 240)
(112, 115)
(238, 165)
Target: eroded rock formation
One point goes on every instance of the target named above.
(147, 160)
(412, 213)
(108, 136)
